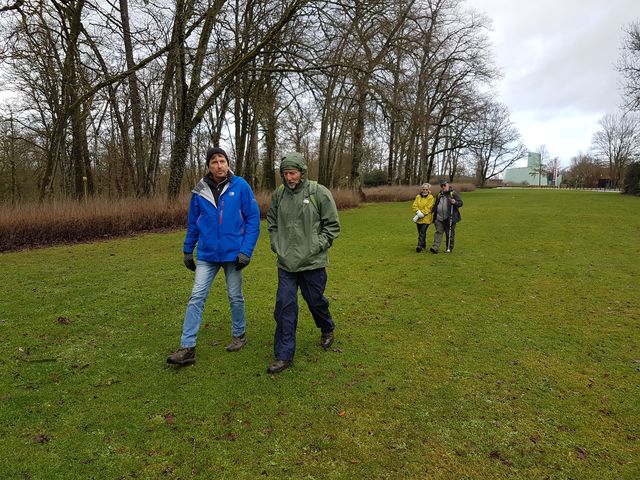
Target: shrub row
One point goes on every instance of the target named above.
(405, 193)
(39, 225)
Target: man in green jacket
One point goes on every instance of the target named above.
(302, 221)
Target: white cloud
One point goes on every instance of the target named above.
(558, 58)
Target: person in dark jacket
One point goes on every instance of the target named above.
(224, 222)
(303, 223)
(446, 214)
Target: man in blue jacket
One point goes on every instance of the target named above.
(224, 221)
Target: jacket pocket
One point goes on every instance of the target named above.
(316, 247)
(273, 240)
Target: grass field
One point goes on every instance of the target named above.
(515, 357)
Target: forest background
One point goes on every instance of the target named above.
(120, 99)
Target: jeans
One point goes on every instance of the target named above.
(312, 284)
(205, 273)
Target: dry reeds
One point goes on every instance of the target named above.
(344, 199)
(69, 221)
(404, 193)
(396, 193)
(264, 199)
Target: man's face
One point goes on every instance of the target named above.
(444, 187)
(292, 177)
(218, 167)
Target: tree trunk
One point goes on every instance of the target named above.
(136, 114)
(324, 167)
(241, 114)
(178, 158)
(251, 163)
(156, 141)
(358, 137)
(270, 139)
(72, 12)
(12, 160)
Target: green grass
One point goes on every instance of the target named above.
(518, 356)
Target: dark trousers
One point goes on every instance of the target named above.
(312, 284)
(422, 235)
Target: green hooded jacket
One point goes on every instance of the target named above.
(301, 228)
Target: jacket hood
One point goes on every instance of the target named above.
(294, 160)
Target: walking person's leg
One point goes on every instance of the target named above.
(422, 233)
(205, 273)
(426, 228)
(286, 316)
(312, 287)
(233, 279)
(437, 238)
(186, 354)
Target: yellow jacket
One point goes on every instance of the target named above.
(425, 205)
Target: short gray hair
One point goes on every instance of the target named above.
(428, 185)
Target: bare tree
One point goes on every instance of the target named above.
(496, 143)
(12, 6)
(195, 96)
(629, 66)
(375, 37)
(59, 71)
(585, 171)
(617, 143)
(436, 68)
(136, 107)
(129, 93)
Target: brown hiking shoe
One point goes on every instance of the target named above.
(278, 366)
(183, 356)
(237, 343)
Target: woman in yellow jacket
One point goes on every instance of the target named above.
(422, 206)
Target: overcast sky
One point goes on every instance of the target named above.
(558, 59)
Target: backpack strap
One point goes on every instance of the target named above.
(311, 193)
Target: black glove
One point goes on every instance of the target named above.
(242, 261)
(188, 262)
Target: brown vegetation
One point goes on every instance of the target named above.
(344, 199)
(38, 225)
(404, 193)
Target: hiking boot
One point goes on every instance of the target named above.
(278, 366)
(433, 250)
(326, 340)
(183, 356)
(237, 343)
(418, 249)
